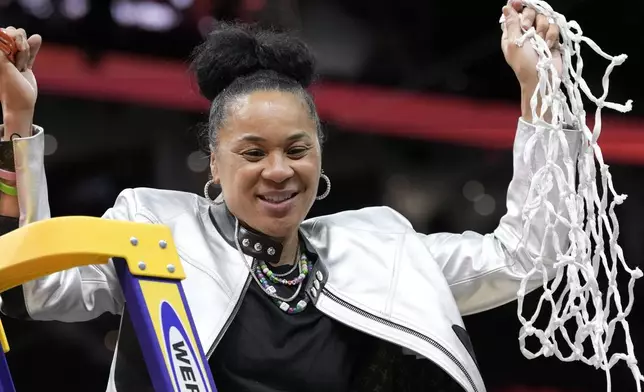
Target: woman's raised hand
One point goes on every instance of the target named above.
(18, 87)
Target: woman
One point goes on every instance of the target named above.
(355, 301)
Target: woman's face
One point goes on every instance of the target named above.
(267, 161)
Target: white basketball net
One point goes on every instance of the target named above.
(586, 213)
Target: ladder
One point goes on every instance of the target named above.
(150, 274)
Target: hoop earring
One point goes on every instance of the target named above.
(206, 193)
(328, 186)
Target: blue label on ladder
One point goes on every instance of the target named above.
(183, 357)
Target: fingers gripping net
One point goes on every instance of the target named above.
(584, 212)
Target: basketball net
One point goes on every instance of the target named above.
(584, 205)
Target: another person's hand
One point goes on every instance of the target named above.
(18, 88)
(523, 60)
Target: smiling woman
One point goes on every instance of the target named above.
(267, 161)
(355, 301)
(264, 135)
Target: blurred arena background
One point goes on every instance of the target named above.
(419, 109)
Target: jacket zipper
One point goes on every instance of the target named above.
(230, 318)
(388, 323)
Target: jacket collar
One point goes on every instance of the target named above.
(252, 242)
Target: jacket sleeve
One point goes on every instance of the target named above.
(78, 294)
(485, 271)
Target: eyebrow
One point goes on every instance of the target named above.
(259, 139)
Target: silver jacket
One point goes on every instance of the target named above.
(384, 278)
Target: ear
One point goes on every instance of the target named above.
(214, 168)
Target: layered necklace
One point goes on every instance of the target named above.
(267, 279)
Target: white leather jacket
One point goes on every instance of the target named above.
(382, 277)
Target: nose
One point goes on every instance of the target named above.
(277, 169)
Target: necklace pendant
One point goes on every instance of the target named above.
(301, 305)
(271, 290)
(284, 306)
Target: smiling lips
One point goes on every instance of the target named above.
(277, 204)
(277, 197)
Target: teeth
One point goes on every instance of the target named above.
(276, 199)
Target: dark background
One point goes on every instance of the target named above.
(102, 144)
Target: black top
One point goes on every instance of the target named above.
(268, 350)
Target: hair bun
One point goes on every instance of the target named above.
(235, 50)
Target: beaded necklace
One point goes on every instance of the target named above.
(304, 271)
(286, 306)
(256, 271)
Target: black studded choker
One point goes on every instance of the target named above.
(252, 242)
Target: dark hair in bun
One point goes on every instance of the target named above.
(237, 59)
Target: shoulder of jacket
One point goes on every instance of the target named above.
(158, 205)
(378, 219)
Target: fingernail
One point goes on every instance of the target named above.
(506, 11)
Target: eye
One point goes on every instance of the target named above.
(253, 155)
(297, 152)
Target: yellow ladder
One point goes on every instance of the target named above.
(150, 273)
